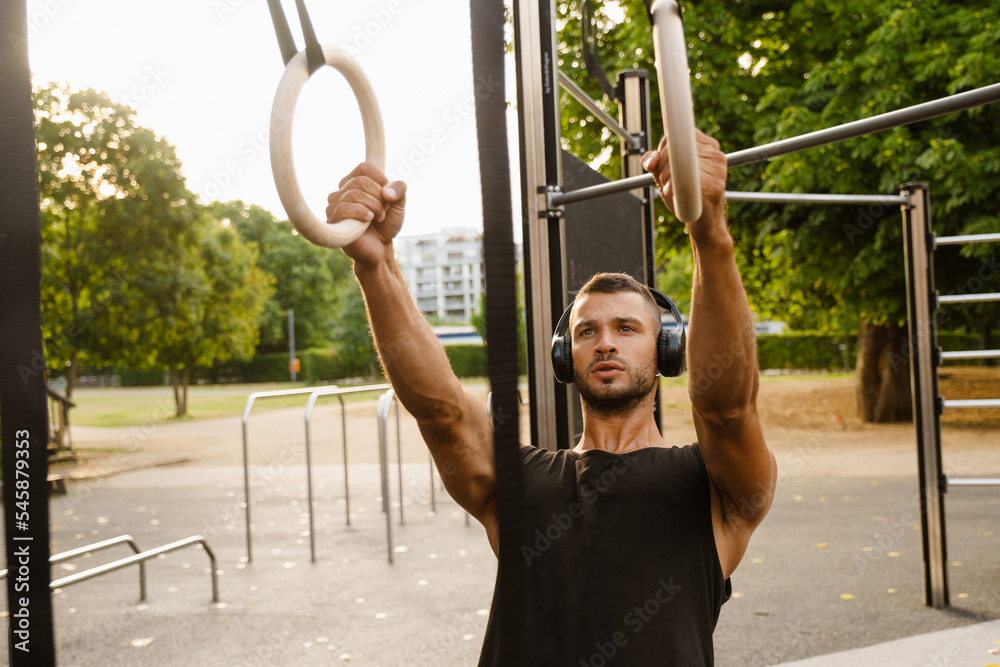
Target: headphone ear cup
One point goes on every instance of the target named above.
(567, 360)
(670, 353)
(562, 359)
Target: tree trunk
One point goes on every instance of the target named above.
(883, 374)
(71, 372)
(175, 382)
(182, 410)
(985, 338)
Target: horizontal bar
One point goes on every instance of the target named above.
(968, 238)
(858, 128)
(805, 198)
(141, 557)
(974, 403)
(974, 481)
(971, 354)
(968, 298)
(580, 95)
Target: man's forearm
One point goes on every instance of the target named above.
(721, 344)
(412, 356)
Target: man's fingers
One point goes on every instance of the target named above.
(365, 170)
(355, 205)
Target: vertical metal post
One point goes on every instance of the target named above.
(635, 119)
(923, 378)
(541, 172)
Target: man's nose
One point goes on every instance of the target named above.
(606, 343)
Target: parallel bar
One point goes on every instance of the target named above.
(331, 390)
(858, 128)
(251, 399)
(806, 198)
(971, 354)
(974, 481)
(578, 94)
(974, 403)
(968, 298)
(968, 238)
(144, 556)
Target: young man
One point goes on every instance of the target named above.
(632, 542)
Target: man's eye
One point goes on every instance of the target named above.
(626, 327)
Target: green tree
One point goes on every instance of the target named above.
(478, 319)
(762, 71)
(135, 272)
(307, 278)
(352, 334)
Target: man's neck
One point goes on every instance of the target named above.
(620, 434)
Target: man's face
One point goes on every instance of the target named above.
(614, 351)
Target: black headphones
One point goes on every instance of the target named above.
(669, 345)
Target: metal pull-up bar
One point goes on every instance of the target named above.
(858, 128)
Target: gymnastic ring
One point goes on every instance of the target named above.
(674, 80)
(282, 164)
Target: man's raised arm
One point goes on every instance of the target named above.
(452, 421)
(722, 357)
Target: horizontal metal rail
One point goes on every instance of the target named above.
(971, 354)
(806, 198)
(140, 558)
(968, 298)
(968, 238)
(99, 546)
(251, 399)
(858, 128)
(974, 403)
(577, 93)
(973, 481)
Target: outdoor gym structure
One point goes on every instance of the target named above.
(553, 184)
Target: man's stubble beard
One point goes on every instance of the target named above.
(615, 402)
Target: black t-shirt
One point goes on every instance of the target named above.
(622, 567)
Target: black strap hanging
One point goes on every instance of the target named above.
(501, 320)
(314, 52)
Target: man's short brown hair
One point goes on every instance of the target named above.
(614, 283)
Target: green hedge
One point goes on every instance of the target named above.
(795, 351)
(807, 351)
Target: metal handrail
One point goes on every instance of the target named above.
(313, 397)
(972, 482)
(98, 546)
(974, 403)
(967, 238)
(139, 558)
(970, 354)
(968, 298)
(251, 399)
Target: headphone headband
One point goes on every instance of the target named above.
(670, 344)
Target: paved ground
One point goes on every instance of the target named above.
(835, 567)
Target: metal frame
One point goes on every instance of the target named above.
(543, 235)
(858, 128)
(385, 402)
(314, 394)
(139, 559)
(928, 405)
(251, 399)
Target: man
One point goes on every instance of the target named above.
(633, 542)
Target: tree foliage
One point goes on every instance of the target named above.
(764, 70)
(135, 272)
(307, 279)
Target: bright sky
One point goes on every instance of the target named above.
(202, 74)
